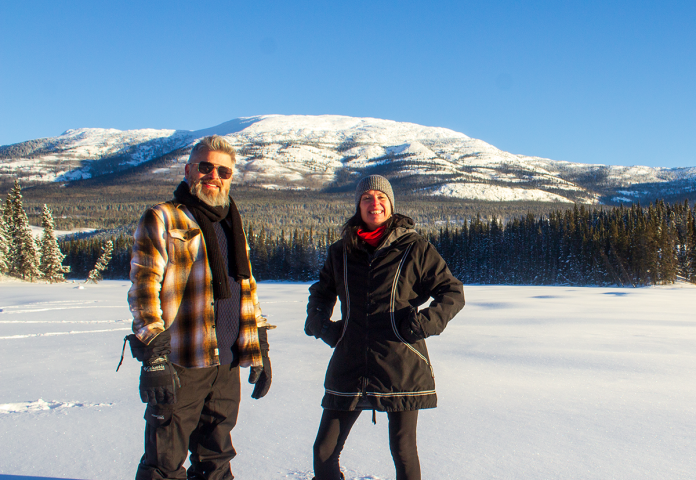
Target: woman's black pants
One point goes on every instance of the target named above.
(334, 429)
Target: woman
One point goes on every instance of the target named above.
(382, 270)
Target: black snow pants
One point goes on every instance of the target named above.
(200, 422)
(334, 429)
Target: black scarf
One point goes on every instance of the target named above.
(205, 215)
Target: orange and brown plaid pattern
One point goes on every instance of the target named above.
(172, 289)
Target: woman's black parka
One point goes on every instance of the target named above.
(373, 366)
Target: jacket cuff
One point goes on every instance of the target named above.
(159, 346)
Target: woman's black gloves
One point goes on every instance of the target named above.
(411, 328)
(331, 332)
(158, 378)
(261, 376)
(319, 325)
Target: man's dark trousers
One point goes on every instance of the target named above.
(200, 421)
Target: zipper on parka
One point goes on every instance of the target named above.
(392, 304)
(363, 387)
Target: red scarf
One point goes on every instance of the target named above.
(373, 237)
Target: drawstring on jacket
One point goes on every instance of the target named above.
(125, 339)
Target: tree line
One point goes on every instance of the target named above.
(117, 208)
(36, 258)
(628, 246)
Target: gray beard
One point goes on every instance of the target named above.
(220, 199)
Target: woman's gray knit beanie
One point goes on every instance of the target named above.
(374, 182)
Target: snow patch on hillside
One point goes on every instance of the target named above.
(496, 193)
(337, 129)
(37, 231)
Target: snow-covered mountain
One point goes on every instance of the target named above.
(331, 151)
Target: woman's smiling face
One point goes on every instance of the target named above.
(375, 208)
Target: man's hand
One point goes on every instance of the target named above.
(158, 382)
(158, 378)
(261, 376)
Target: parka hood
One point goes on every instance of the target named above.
(402, 230)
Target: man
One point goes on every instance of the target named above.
(196, 320)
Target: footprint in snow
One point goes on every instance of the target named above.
(349, 474)
(42, 406)
(72, 332)
(38, 307)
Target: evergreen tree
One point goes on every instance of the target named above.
(4, 246)
(51, 264)
(690, 257)
(9, 225)
(102, 262)
(23, 250)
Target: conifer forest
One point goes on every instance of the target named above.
(483, 243)
(627, 246)
(579, 246)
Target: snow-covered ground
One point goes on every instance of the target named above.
(533, 383)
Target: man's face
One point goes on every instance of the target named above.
(209, 188)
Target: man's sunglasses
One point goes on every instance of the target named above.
(223, 172)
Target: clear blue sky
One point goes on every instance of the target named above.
(609, 82)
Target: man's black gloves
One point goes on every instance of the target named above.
(261, 376)
(158, 378)
(159, 382)
(411, 328)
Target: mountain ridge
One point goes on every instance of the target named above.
(327, 152)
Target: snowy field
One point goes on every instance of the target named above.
(533, 383)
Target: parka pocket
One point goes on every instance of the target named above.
(183, 246)
(399, 318)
